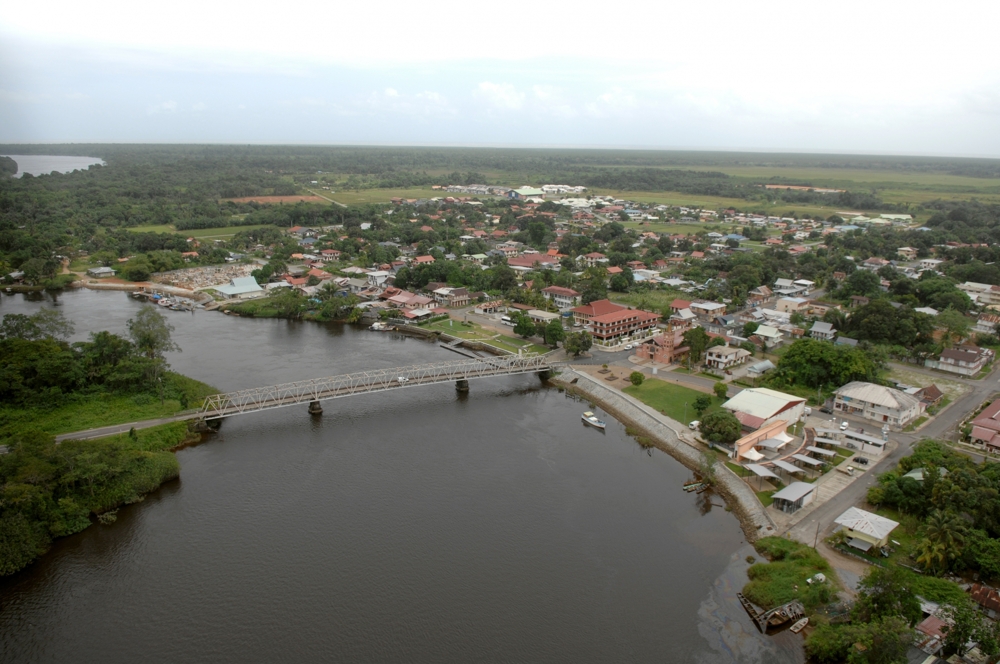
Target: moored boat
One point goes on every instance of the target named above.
(592, 420)
(799, 626)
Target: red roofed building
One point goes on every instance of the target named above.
(986, 427)
(564, 298)
(679, 304)
(529, 260)
(986, 597)
(423, 260)
(610, 328)
(583, 314)
(613, 270)
(319, 274)
(426, 229)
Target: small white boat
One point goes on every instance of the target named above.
(379, 326)
(592, 420)
(799, 626)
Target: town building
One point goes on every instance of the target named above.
(822, 331)
(877, 403)
(865, 530)
(792, 305)
(965, 361)
(243, 288)
(794, 497)
(758, 406)
(724, 357)
(583, 313)
(986, 427)
(99, 272)
(563, 298)
(610, 328)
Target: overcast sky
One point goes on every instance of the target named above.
(908, 77)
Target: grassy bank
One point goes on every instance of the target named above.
(674, 401)
(51, 490)
(783, 579)
(83, 411)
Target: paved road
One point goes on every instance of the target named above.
(124, 428)
(944, 426)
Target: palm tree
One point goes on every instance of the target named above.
(932, 556)
(945, 528)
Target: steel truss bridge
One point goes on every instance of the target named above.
(363, 382)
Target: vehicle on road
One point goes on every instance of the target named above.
(628, 346)
(862, 460)
(694, 425)
(826, 410)
(844, 425)
(402, 379)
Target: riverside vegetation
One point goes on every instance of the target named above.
(48, 386)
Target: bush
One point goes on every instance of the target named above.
(636, 378)
(784, 578)
(721, 390)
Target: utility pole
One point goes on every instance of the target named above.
(816, 539)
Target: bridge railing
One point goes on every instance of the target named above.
(373, 380)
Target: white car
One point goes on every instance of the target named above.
(403, 379)
(694, 425)
(844, 425)
(628, 346)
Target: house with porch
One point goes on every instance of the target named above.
(725, 357)
(563, 298)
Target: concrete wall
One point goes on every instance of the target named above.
(664, 431)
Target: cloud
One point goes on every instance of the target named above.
(162, 107)
(200, 106)
(503, 96)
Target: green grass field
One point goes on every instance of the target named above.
(674, 401)
(476, 332)
(656, 300)
(357, 197)
(218, 233)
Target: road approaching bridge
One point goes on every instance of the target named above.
(315, 390)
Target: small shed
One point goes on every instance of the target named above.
(100, 272)
(794, 497)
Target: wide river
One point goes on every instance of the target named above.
(420, 525)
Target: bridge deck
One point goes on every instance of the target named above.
(377, 380)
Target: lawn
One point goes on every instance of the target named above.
(916, 423)
(674, 401)
(952, 389)
(218, 233)
(355, 197)
(476, 332)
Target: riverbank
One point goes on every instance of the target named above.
(668, 436)
(54, 490)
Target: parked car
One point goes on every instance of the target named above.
(863, 461)
(628, 346)
(694, 425)
(844, 425)
(808, 410)
(827, 410)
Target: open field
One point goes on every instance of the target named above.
(476, 332)
(656, 300)
(843, 178)
(218, 233)
(357, 197)
(674, 401)
(952, 389)
(272, 200)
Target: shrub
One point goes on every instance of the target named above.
(636, 378)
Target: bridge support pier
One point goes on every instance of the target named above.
(462, 385)
(315, 408)
(544, 375)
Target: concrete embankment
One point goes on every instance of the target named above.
(159, 288)
(665, 434)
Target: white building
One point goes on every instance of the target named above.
(756, 407)
(877, 403)
(243, 288)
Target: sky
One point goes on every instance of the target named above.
(866, 76)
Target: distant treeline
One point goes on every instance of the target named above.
(364, 160)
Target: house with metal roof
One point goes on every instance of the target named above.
(243, 288)
(755, 407)
(865, 528)
(823, 331)
(877, 403)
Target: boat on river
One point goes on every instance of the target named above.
(592, 420)
(379, 326)
(799, 626)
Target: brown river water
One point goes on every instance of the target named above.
(420, 525)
